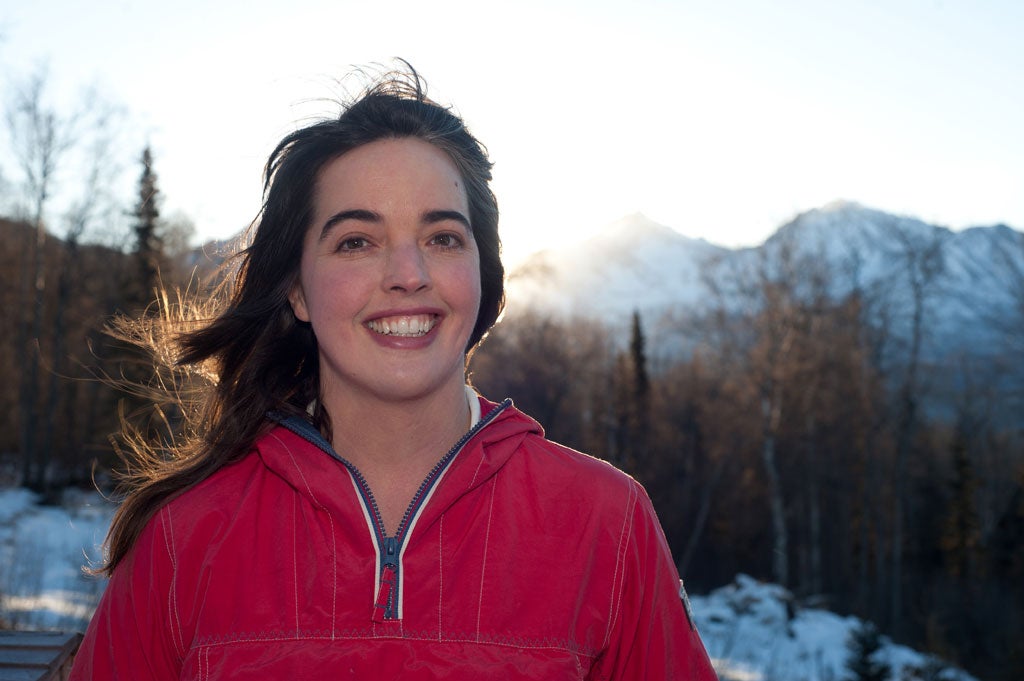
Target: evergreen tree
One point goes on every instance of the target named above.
(863, 664)
(141, 279)
(640, 405)
(631, 406)
(638, 353)
(148, 244)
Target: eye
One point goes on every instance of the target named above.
(447, 240)
(352, 243)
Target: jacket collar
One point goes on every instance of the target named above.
(297, 452)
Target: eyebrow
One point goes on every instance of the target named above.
(430, 217)
(356, 214)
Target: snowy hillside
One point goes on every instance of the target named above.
(975, 270)
(637, 264)
(631, 263)
(753, 631)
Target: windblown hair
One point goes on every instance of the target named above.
(222, 376)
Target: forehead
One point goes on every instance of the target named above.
(391, 173)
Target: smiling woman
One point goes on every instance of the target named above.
(345, 506)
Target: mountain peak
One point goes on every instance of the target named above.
(840, 206)
(633, 262)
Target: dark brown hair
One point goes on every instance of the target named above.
(253, 356)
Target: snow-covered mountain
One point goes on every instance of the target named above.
(975, 272)
(631, 263)
(636, 264)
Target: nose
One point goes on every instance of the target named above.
(405, 269)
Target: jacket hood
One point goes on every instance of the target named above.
(297, 452)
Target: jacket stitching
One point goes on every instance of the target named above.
(440, 572)
(479, 464)
(295, 558)
(618, 583)
(334, 579)
(483, 566)
(355, 635)
(298, 469)
(334, 545)
(172, 595)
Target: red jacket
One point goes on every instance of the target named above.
(518, 559)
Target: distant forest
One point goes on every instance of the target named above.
(788, 444)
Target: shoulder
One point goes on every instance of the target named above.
(546, 464)
(570, 479)
(164, 561)
(566, 462)
(203, 513)
(246, 480)
(216, 494)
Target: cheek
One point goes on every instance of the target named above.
(334, 293)
(469, 287)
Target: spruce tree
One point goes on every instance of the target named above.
(140, 283)
(640, 407)
(638, 352)
(148, 245)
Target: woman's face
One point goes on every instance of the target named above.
(390, 273)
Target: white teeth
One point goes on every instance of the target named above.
(416, 325)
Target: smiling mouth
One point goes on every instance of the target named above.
(410, 326)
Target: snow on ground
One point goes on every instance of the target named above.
(753, 631)
(42, 552)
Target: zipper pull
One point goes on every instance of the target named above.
(390, 551)
(383, 606)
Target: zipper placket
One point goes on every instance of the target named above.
(389, 549)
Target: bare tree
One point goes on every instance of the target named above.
(759, 301)
(95, 203)
(40, 140)
(551, 368)
(698, 433)
(921, 259)
(49, 148)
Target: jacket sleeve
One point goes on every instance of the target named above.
(131, 636)
(653, 636)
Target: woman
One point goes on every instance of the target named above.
(348, 508)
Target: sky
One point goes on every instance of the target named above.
(722, 120)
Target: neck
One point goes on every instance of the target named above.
(379, 435)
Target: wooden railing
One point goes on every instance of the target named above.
(37, 655)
